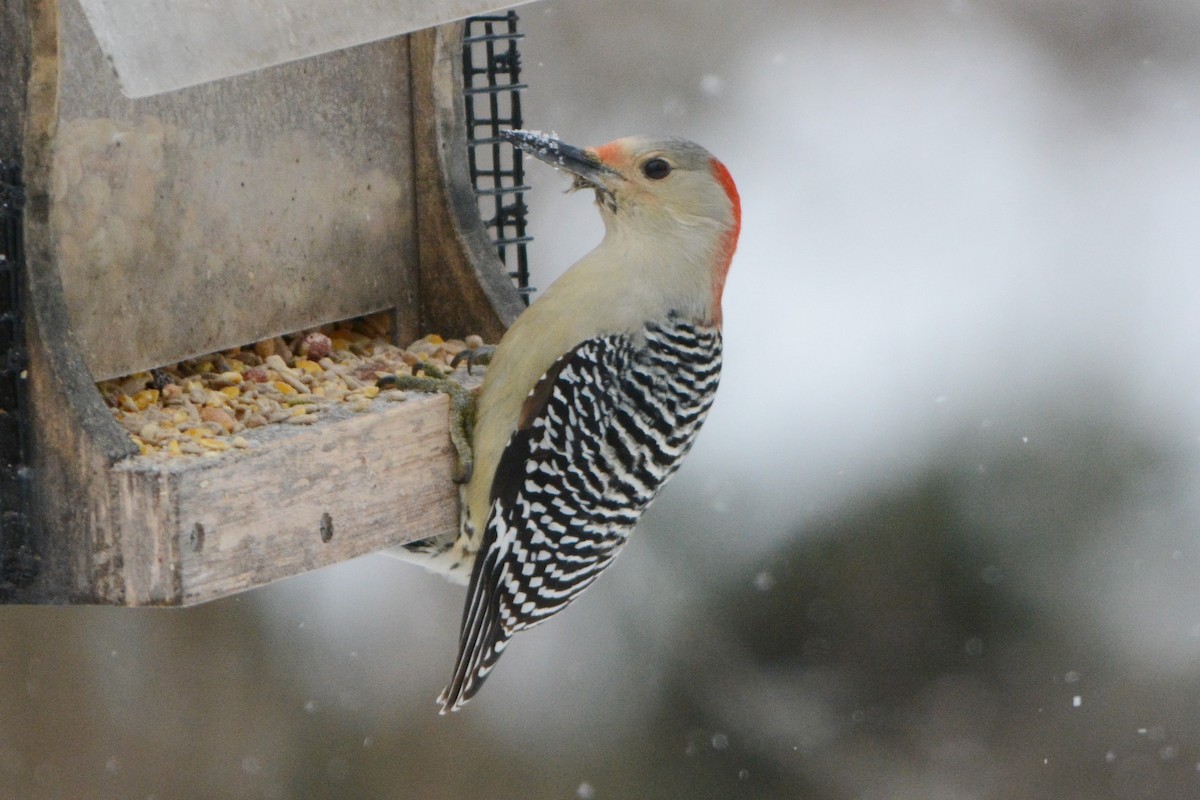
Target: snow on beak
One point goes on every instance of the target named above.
(588, 169)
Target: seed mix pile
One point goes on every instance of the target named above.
(203, 405)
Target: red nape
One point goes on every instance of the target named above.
(721, 173)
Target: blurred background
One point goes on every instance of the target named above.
(940, 537)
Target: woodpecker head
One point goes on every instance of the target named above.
(661, 187)
(643, 175)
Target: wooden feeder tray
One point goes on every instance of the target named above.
(167, 227)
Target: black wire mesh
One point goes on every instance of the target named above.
(14, 475)
(491, 73)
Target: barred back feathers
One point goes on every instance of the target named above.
(608, 424)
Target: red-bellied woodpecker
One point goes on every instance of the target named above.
(597, 391)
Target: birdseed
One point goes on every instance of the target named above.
(203, 406)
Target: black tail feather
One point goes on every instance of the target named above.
(483, 636)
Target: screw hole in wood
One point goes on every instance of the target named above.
(197, 537)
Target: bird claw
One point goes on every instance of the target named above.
(475, 355)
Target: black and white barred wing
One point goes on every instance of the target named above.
(598, 437)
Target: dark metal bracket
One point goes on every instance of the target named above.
(18, 564)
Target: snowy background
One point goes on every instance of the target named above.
(940, 537)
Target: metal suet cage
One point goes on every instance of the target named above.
(492, 72)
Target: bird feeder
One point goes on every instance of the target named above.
(248, 171)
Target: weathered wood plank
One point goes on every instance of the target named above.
(73, 438)
(141, 564)
(301, 498)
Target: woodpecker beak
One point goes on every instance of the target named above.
(588, 169)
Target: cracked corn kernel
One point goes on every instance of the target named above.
(145, 398)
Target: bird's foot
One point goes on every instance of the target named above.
(475, 355)
(462, 411)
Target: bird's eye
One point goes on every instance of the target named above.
(656, 169)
